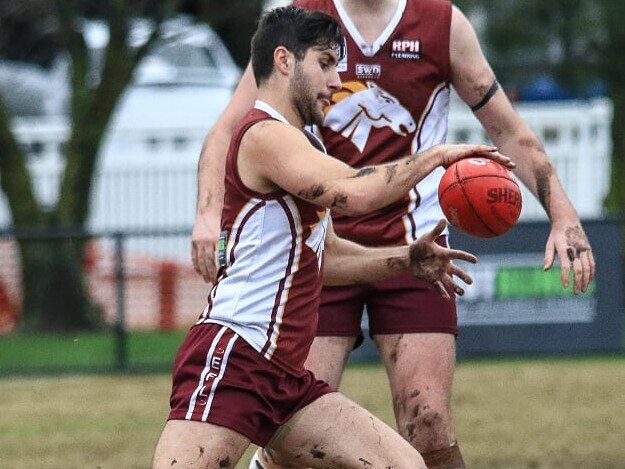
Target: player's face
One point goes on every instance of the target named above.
(314, 80)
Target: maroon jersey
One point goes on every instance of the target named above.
(268, 287)
(394, 102)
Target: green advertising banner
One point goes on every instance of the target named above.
(515, 307)
(514, 289)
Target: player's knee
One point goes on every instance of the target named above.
(267, 458)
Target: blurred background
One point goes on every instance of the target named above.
(103, 110)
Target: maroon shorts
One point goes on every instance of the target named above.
(219, 378)
(402, 304)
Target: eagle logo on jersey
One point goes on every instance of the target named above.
(359, 108)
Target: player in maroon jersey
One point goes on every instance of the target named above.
(239, 374)
(402, 57)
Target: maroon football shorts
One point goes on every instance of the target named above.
(399, 305)
(219, 378)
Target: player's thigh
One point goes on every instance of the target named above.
(326, 359)
(338, 330)
(333, 431)
(414, 329)
(328, 356)
(189, 444)
(425, 357)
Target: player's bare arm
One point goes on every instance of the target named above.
(274, 154)
(347, 263)
(476, 84)
(210, 182)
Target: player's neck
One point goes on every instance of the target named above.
(370, 17)
(281, 101)
(359, 7)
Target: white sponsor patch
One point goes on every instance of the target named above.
(368, 70)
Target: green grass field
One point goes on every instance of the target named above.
(535, 414)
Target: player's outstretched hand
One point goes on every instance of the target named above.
(570, 242)
(203, 242)
(449, 154)
(433, 263)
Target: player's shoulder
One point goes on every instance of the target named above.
(272, 134)
(460, 23)
(268, 129)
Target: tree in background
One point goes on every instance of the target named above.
(578, 42)
(234, 20)
(613, 66)
(54, 292)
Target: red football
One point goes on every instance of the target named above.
(480, 197)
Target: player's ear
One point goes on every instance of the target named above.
(283, 60)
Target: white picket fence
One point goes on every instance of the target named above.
(147, 173)
(577, 137)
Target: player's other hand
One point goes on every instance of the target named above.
(449, 154)
(433, 263)
(571, 244)
(203, 243)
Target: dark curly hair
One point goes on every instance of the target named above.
(296, 29)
